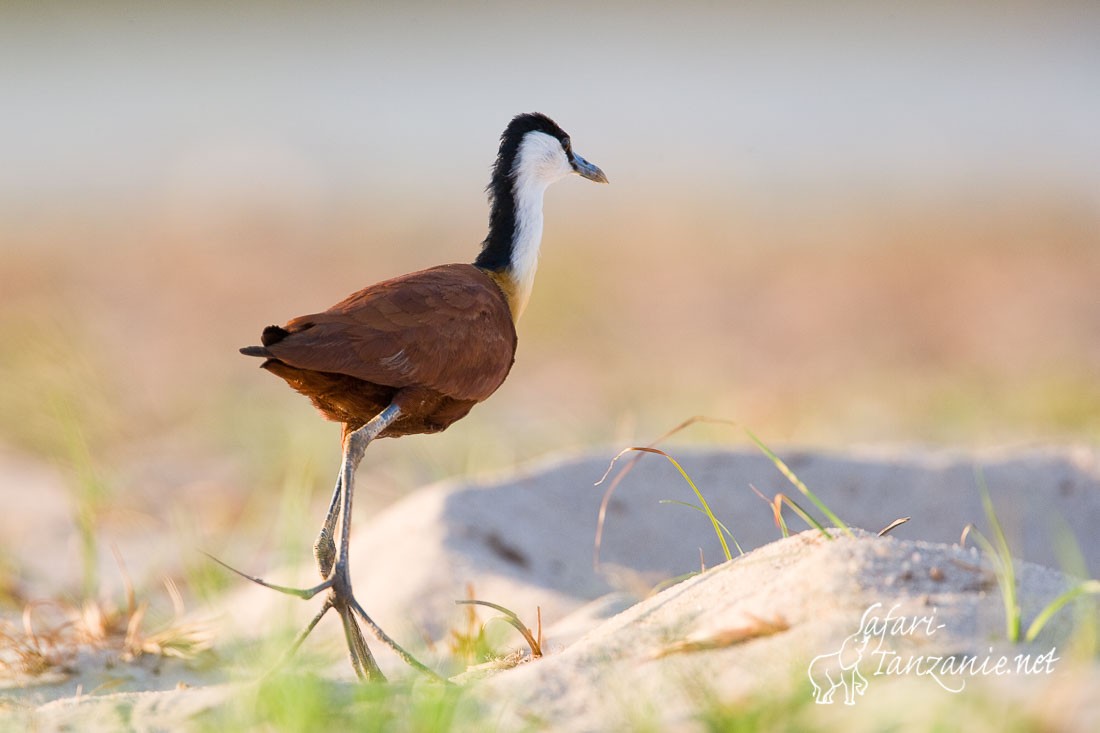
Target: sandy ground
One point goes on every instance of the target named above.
(740, 631)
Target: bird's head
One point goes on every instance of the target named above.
(535, 148)
(534, 152)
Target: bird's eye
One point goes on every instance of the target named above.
(567, 145)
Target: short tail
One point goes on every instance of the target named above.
(271, 335)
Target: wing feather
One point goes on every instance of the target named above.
(447, 328)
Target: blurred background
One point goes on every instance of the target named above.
(835, 223)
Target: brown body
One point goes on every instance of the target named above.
(434, 342)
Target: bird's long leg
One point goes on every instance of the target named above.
(332, 561)
(324, 551)
(355, 445)
(341, 596)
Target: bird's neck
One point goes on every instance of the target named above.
(510, 254)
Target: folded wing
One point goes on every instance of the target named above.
(447, 329)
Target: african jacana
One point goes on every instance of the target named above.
(416, 353)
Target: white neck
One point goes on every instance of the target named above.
(540, 162)
(526, 240)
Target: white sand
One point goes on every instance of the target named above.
(528, 541)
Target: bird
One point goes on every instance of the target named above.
(415, 353)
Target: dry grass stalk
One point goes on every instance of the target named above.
(752, 627)
(52, 644)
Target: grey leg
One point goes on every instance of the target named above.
(342, 597)
(331, 552)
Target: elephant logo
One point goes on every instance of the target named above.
(840, 669)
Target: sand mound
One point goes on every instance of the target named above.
(749, 629)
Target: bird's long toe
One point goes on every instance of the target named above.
(303, 593)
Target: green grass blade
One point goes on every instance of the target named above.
(700, 509)
(1072, 562)
(1006, 582)
(1088, 587)
(797, 483)
(698, 494)
(1008, 568)
(806, 516)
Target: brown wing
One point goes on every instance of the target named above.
(447, 328)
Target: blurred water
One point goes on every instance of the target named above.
(104, 99)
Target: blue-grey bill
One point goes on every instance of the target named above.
(587, 170)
